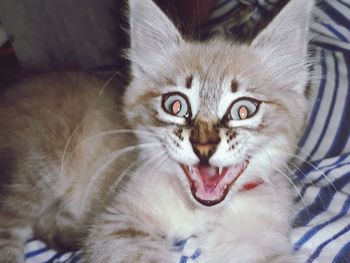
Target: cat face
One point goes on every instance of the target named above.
(227, 115)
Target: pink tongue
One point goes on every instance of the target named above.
(210, 176)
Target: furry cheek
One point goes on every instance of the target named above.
(179, 147)
(231, 149)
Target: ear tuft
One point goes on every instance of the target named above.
(289, 28)
(152, 35)
(283, 44)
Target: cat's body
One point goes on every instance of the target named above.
(217, 124)
(46, 128)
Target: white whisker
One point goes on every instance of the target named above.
(294, 186)
(119, 131)
(111, 158)
(128, 171)
(269, 182)
(309, 181)
(66, 148)
(107, 83)
(96, 136)
(309, 163)
(158, 164)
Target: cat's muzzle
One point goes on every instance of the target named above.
(210, 185)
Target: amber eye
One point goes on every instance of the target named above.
(176, 104)
(243, 109)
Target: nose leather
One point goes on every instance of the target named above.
(204, 151)
(204, 139)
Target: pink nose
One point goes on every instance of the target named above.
(204, 151)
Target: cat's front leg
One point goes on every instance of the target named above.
(16, 216)
(117, 238)
(12, 244)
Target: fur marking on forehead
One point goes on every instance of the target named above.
(234, 85)
(189, 82)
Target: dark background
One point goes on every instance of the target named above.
(56, 35)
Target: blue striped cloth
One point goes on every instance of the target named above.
(328, 131)
(321, 227)
(37, 252)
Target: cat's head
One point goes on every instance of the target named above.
(227, 115)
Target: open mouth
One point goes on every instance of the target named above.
(210, 185)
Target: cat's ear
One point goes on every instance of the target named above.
(152, 35)
(284, 41)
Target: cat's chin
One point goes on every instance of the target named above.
(210, 185)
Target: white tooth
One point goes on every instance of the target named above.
(220, 169)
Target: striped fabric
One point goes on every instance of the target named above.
(37, 252)
(240, 19)
(321, 228)
(328, 130)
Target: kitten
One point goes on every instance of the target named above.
(215, 122)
